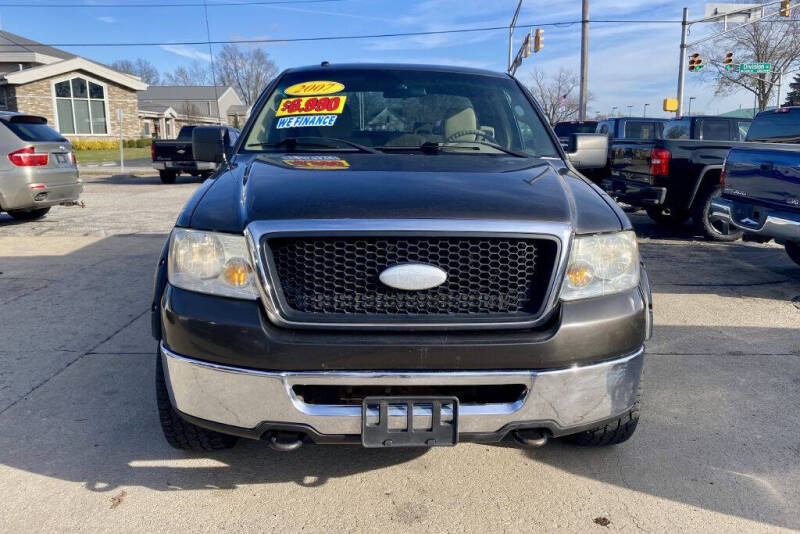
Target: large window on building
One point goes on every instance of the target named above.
(81, 107)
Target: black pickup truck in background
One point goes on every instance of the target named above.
(174, 156)
(761, 188)
(677, 177)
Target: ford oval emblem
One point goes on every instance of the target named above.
(413, 276)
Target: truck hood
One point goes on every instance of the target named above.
(403, 186)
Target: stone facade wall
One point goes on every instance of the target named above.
(36, 98)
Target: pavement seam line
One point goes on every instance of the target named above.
(74, 360)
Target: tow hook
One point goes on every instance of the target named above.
(531, 437)
(285, 441)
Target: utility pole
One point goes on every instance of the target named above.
(584, 95)
(780, 82)
(511, 36)
(689, 113)
(682, 64)
(644, 110)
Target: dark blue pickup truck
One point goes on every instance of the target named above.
(761, 188)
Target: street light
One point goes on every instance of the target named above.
(644, 110)
(613, 110)
(689, 114)
(630, 111)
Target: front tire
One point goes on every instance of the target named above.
(180, 433)
(793, 250)
(167, 177)
(712, 230)
(29, 215)
(617, 431)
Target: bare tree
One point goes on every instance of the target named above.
(196, 73)
(247, 71)
(141, 68)
(556, 94)
(775, 41)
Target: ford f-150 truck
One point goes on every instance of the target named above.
(761, 188)
(677, 177)
(174, 156)
(398, 255)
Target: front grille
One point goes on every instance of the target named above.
(330, 277)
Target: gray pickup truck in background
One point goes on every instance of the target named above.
(174, 156)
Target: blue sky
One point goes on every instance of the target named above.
(629, 64)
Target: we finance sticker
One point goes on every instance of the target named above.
(311, 105)
(325, 163)
(314, 88)
(305, 121)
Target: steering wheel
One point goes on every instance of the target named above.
(454, 136)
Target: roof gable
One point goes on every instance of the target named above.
(12, 44)
(75, 63)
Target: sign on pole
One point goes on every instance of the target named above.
(755, 68)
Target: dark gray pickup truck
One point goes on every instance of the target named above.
(174, 156)
(399, 255)
(761, 188)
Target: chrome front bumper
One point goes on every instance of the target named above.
(559, 400)
(774, 225)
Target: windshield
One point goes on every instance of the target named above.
(567, 128)
(33, 129)
(390, 110)
(781, 124)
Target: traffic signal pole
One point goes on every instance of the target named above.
(682, 65)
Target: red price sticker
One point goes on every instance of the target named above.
(311, 105)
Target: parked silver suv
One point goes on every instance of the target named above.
(38, 168)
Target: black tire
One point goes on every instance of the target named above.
(716, 230)
(617, 431)
(793, 250)
(179, 433)
(29, 215)
(167, 177)
(669, 217)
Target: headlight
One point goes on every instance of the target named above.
(209, 262)
(600, 265)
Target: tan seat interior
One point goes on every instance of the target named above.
(459, 122)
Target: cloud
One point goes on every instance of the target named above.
(187, 51)
(107, 20)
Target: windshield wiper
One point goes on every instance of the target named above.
(431, 147)
(321, 142)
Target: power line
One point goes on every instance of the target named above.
(352, 37)
(191, 4)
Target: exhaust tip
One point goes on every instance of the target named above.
(531, 437)
(285, 441)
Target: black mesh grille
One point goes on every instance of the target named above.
(485, 276)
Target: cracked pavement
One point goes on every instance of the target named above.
(717, 449)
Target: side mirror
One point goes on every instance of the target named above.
(591, 151)
(210, 143)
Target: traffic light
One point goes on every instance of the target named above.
(728, 61)
(526, 46)
(786, 8)
(695, 62)
(538, 40)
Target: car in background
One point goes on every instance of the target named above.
(677, 178)
(617, 128)
(761, 187)
(565, 129)
(39, 169)
(172, 157)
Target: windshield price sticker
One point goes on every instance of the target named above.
(326, 163)
(311, 105)
(304, 121)
(314, 88)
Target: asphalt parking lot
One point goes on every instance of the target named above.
(717, 450)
